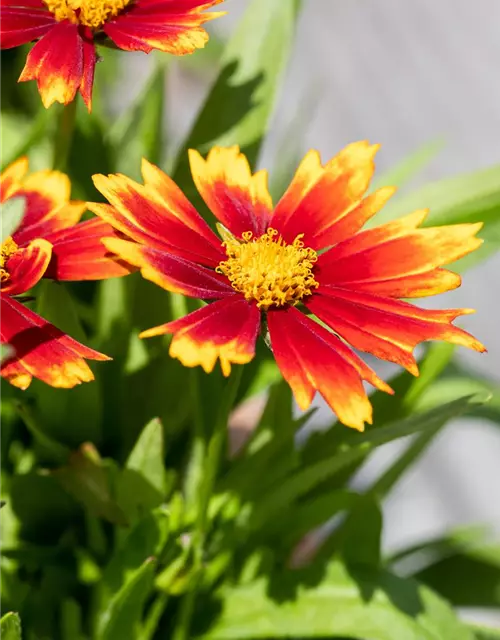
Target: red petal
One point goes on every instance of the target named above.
(27, 266)
(319, 197)
(389, 329)
(161, 25)
(311, 358)
(226, 329)
(171, 272)
(78, 253)
(48, 206)
(89, 62)
(41, 350)
(21, 25)
(138, 212)
(237, 198)
(58, 64)
(398, 250)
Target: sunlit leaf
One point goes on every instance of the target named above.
(368, 604)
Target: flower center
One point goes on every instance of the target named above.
(268, 270)
(8, 248)
(90, 13)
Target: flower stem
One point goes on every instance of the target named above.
(214, 454)
(64, 136)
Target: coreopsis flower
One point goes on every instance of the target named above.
(47, 243)
(64, 58)
(305, 267)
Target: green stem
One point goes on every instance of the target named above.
(215, 451)
(64, 136)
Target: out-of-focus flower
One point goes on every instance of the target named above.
(63, 60)
(47, 243)
(77, 250)
(306, 256)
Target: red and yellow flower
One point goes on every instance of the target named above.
(47, 243)
(64, 58)
(305, 266)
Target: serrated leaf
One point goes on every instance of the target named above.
(239, 106)
(122, 617)
(12, 212)
(369, 604)
(10, 626)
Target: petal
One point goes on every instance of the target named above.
(398, 250)
(58, 64)
(162, 25)
(27, 266)
(10, 179)
(238, 199)
(41, 350)
(20, 25)
(137, 212)
(78, 253)
(171, 272)
(226, 329)
(161, 186)
(313, 359)
(89, 62)
(386, 328)
(48, 206)
(319, 197)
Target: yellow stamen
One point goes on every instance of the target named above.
(268, 270)
(90, 13)
(8, 248)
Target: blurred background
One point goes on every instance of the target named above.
(409, 75)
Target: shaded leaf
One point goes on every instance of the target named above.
(122, 617)
(92, 482)
(355, 447)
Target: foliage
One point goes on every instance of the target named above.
(126, 515)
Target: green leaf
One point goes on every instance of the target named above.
(10, 626)
(143, 484)
(360, 535)
(409, 166)
(480, 567)
(81, 405)
(485, 633)
(92, 482)
(355, 448)
(368, 604)
(139, 131)
(12, 214)
(121, 619)
(239, 106)
(147, 456)
(90, 153)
